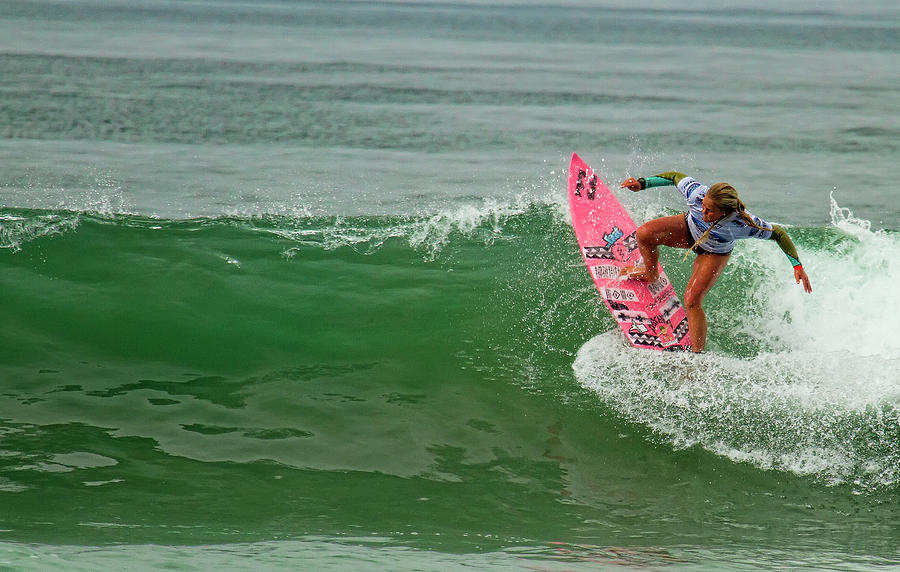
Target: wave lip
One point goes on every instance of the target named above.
(18, 229)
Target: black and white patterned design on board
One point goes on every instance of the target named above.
(638, 338)
(579, 185)
(607, 271)
(653, 341)
(630, 242)
(669, 308)
(634, 316)
(607, 252)
(658, 286)
(599, 252)
(592, 183)
(681, 329)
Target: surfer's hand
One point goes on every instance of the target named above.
(632, 184)
(800, 276)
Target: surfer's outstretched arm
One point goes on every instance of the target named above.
(784, 241)
(661, 180)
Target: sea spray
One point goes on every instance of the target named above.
(18, 228)
(820, 394)
(832, 416)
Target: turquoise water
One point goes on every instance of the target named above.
(292, 285)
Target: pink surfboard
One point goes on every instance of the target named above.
(649, 314)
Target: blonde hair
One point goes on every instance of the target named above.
(725, 197)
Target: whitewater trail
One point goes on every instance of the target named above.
(822, 395)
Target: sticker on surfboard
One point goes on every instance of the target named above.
(649, 314)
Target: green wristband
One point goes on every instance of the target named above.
(655, 181)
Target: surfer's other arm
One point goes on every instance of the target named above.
(661, 180)
(780, 236)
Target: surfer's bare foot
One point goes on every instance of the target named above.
(639, 273)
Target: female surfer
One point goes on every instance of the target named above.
(715, 219)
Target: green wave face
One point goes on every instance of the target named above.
(152, 357)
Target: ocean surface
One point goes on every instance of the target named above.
(292, 285)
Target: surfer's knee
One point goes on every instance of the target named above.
(645, 234)
(693, 299)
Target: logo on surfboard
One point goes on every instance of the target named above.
(612, 236)
(592, 183)
(617, 247)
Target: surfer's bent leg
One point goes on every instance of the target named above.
(665, 231)
(707, 268)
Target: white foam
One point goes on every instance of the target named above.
(16, 231)
(428, 233)
(855, 279)
(833, 415)
(822, 396)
